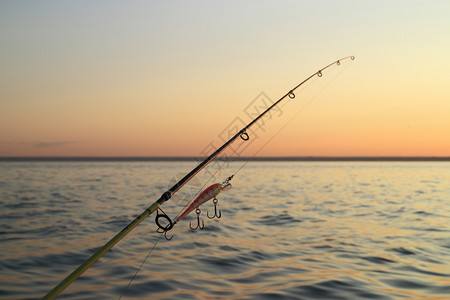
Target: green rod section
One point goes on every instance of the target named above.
(96, 256)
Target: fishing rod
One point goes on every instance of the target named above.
(170, 192)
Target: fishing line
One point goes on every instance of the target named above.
(260, 128)
(294, 116)
(142, 264)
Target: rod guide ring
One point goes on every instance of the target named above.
(244, 136)
(164, 216)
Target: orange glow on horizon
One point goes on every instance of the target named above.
(167, 82)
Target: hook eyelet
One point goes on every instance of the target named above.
(319, 73)
(291, 95)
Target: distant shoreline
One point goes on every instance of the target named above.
(199, 159)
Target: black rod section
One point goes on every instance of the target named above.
(169, 193)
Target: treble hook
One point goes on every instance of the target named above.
(215, 201)
(198, 211)
(161, 228)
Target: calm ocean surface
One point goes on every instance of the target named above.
(289, 230)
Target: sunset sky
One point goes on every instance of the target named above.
(172, 78)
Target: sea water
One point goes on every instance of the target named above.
(289, 230)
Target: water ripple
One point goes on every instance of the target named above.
(308, 231)
(278, 220)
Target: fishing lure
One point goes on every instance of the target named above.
(209, 193)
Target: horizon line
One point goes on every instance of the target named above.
(243, 158)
